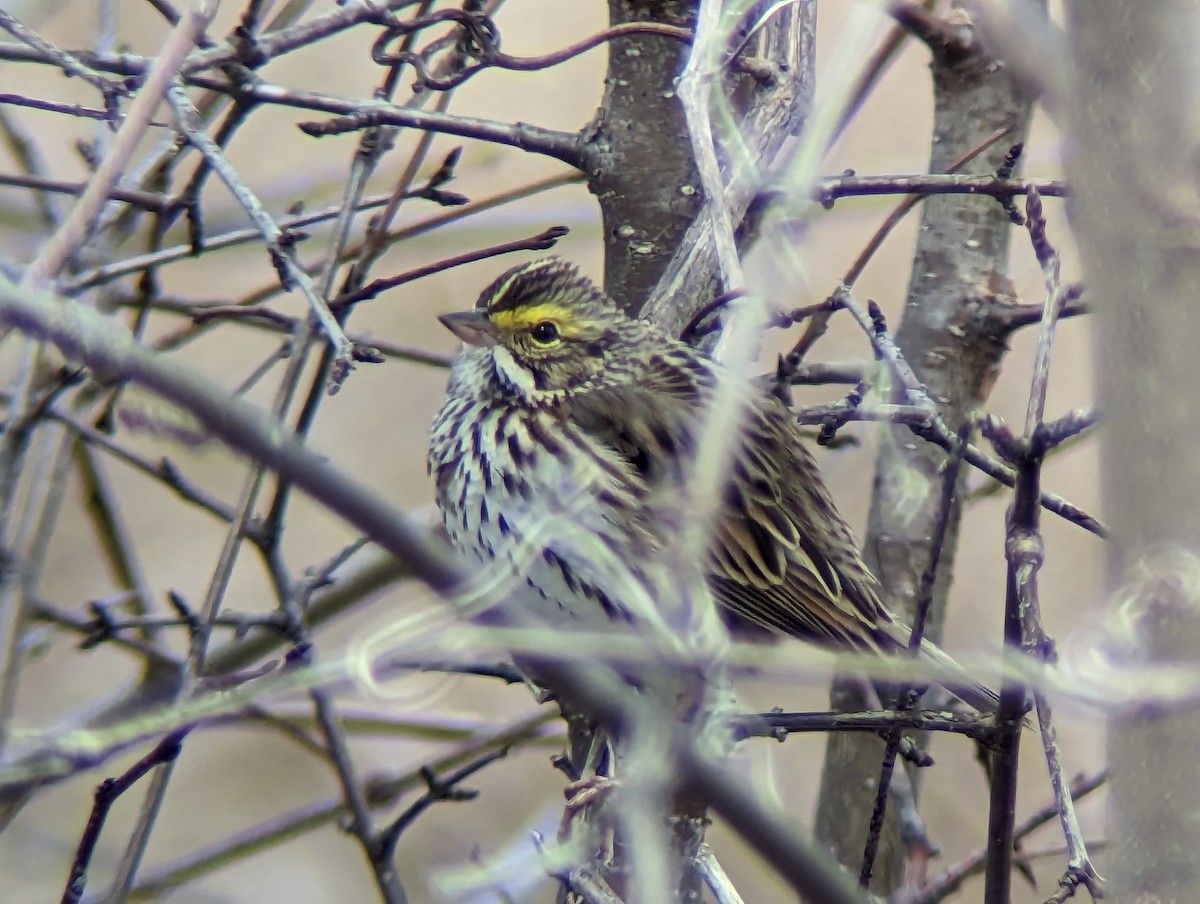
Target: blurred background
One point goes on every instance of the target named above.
(230, 778)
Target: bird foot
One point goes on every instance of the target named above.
(582, 794)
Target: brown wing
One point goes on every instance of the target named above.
(782, 558)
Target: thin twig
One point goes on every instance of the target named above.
(1024, 551)
(279, 243)
(151, 201)
(106, 795)
(949, 183)
(952, 879)
(439, 789)
(71, 234)
(381, 792)
(354, 116)
(163, 470)
(816, 328)
(908, 695)
(29, 158)
(778, 725)
(716, 879)
(41, 610)
(77, 111)
(937, 432)
(69, 63)
(361, 824)
(110, 528)
(488, 55)
(543, 241)
(157, 203)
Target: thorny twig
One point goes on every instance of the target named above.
(829, 190)
(1023, 631)
(437, 789)
(163, 470)
(951, 880)
(381, 791)
(779, 725)
(907, 696)
(354, 116)
(280, 245)
(933, 428)
(106, 795)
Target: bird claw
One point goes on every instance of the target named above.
(582, 794)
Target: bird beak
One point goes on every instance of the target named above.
(472, 327)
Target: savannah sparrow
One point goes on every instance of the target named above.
(566, 426)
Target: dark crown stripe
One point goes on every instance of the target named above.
(534, 282)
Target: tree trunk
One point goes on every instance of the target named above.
(1133, 144)
(640, 163)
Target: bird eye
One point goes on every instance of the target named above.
(544, 333)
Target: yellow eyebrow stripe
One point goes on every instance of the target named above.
(525, 317)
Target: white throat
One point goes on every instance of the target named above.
(519, 379)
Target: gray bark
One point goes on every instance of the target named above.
(639, 159)
(1133, 142)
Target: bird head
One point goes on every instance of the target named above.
(549, 331)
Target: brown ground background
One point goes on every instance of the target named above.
(233, 778)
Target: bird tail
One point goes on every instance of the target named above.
(979, 696)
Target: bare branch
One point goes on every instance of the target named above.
(829, 190)
(279, 243)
